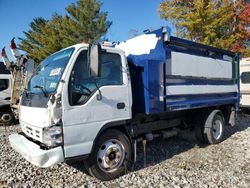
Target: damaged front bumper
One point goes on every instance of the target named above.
(34, 154)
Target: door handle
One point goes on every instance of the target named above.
(120, 105)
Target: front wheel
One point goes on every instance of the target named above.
(110, 157)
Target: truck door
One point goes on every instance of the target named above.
(89, 104)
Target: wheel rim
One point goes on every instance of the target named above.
(6, 118)
(111, 155)
(217, 129)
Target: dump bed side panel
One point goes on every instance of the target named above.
(199, 76)
(179, 74)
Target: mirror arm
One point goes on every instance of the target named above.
(99, 96)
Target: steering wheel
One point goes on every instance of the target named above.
(81, 89)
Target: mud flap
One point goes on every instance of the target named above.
(232, 118)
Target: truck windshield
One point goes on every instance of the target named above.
(49, 72)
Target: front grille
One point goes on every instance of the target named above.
(33, 132)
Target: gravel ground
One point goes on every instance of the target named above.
(176, 162)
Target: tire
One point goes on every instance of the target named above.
(8, 116)
(215, 132)
(110, 157)
(209, 127)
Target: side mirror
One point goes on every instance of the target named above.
(94, 60)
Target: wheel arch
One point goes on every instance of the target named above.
(117, 125)
(4, 108)
(210, 115)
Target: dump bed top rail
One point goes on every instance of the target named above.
(190, 44)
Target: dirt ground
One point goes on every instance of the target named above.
(176, 162)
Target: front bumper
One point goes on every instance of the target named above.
(34, 154)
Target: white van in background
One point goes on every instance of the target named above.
(6, 114)
(245, 82)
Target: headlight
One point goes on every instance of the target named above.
(53, 135)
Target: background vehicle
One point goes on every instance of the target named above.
(245, 83)
(19, 71)
(6, 115)
(96, 102)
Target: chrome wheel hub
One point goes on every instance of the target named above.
(217, 129)
(111, 155)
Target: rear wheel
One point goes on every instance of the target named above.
(214, 133)
(110, 157)
(211, 127)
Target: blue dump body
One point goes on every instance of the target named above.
(177, 74)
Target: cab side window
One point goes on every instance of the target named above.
(82, 85)
(4, 84)
(111, 69)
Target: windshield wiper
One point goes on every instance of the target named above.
(26, 91)
(42, 89)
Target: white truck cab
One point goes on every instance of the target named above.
(63, 109)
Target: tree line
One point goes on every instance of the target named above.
(219, 23)
(83, 22)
